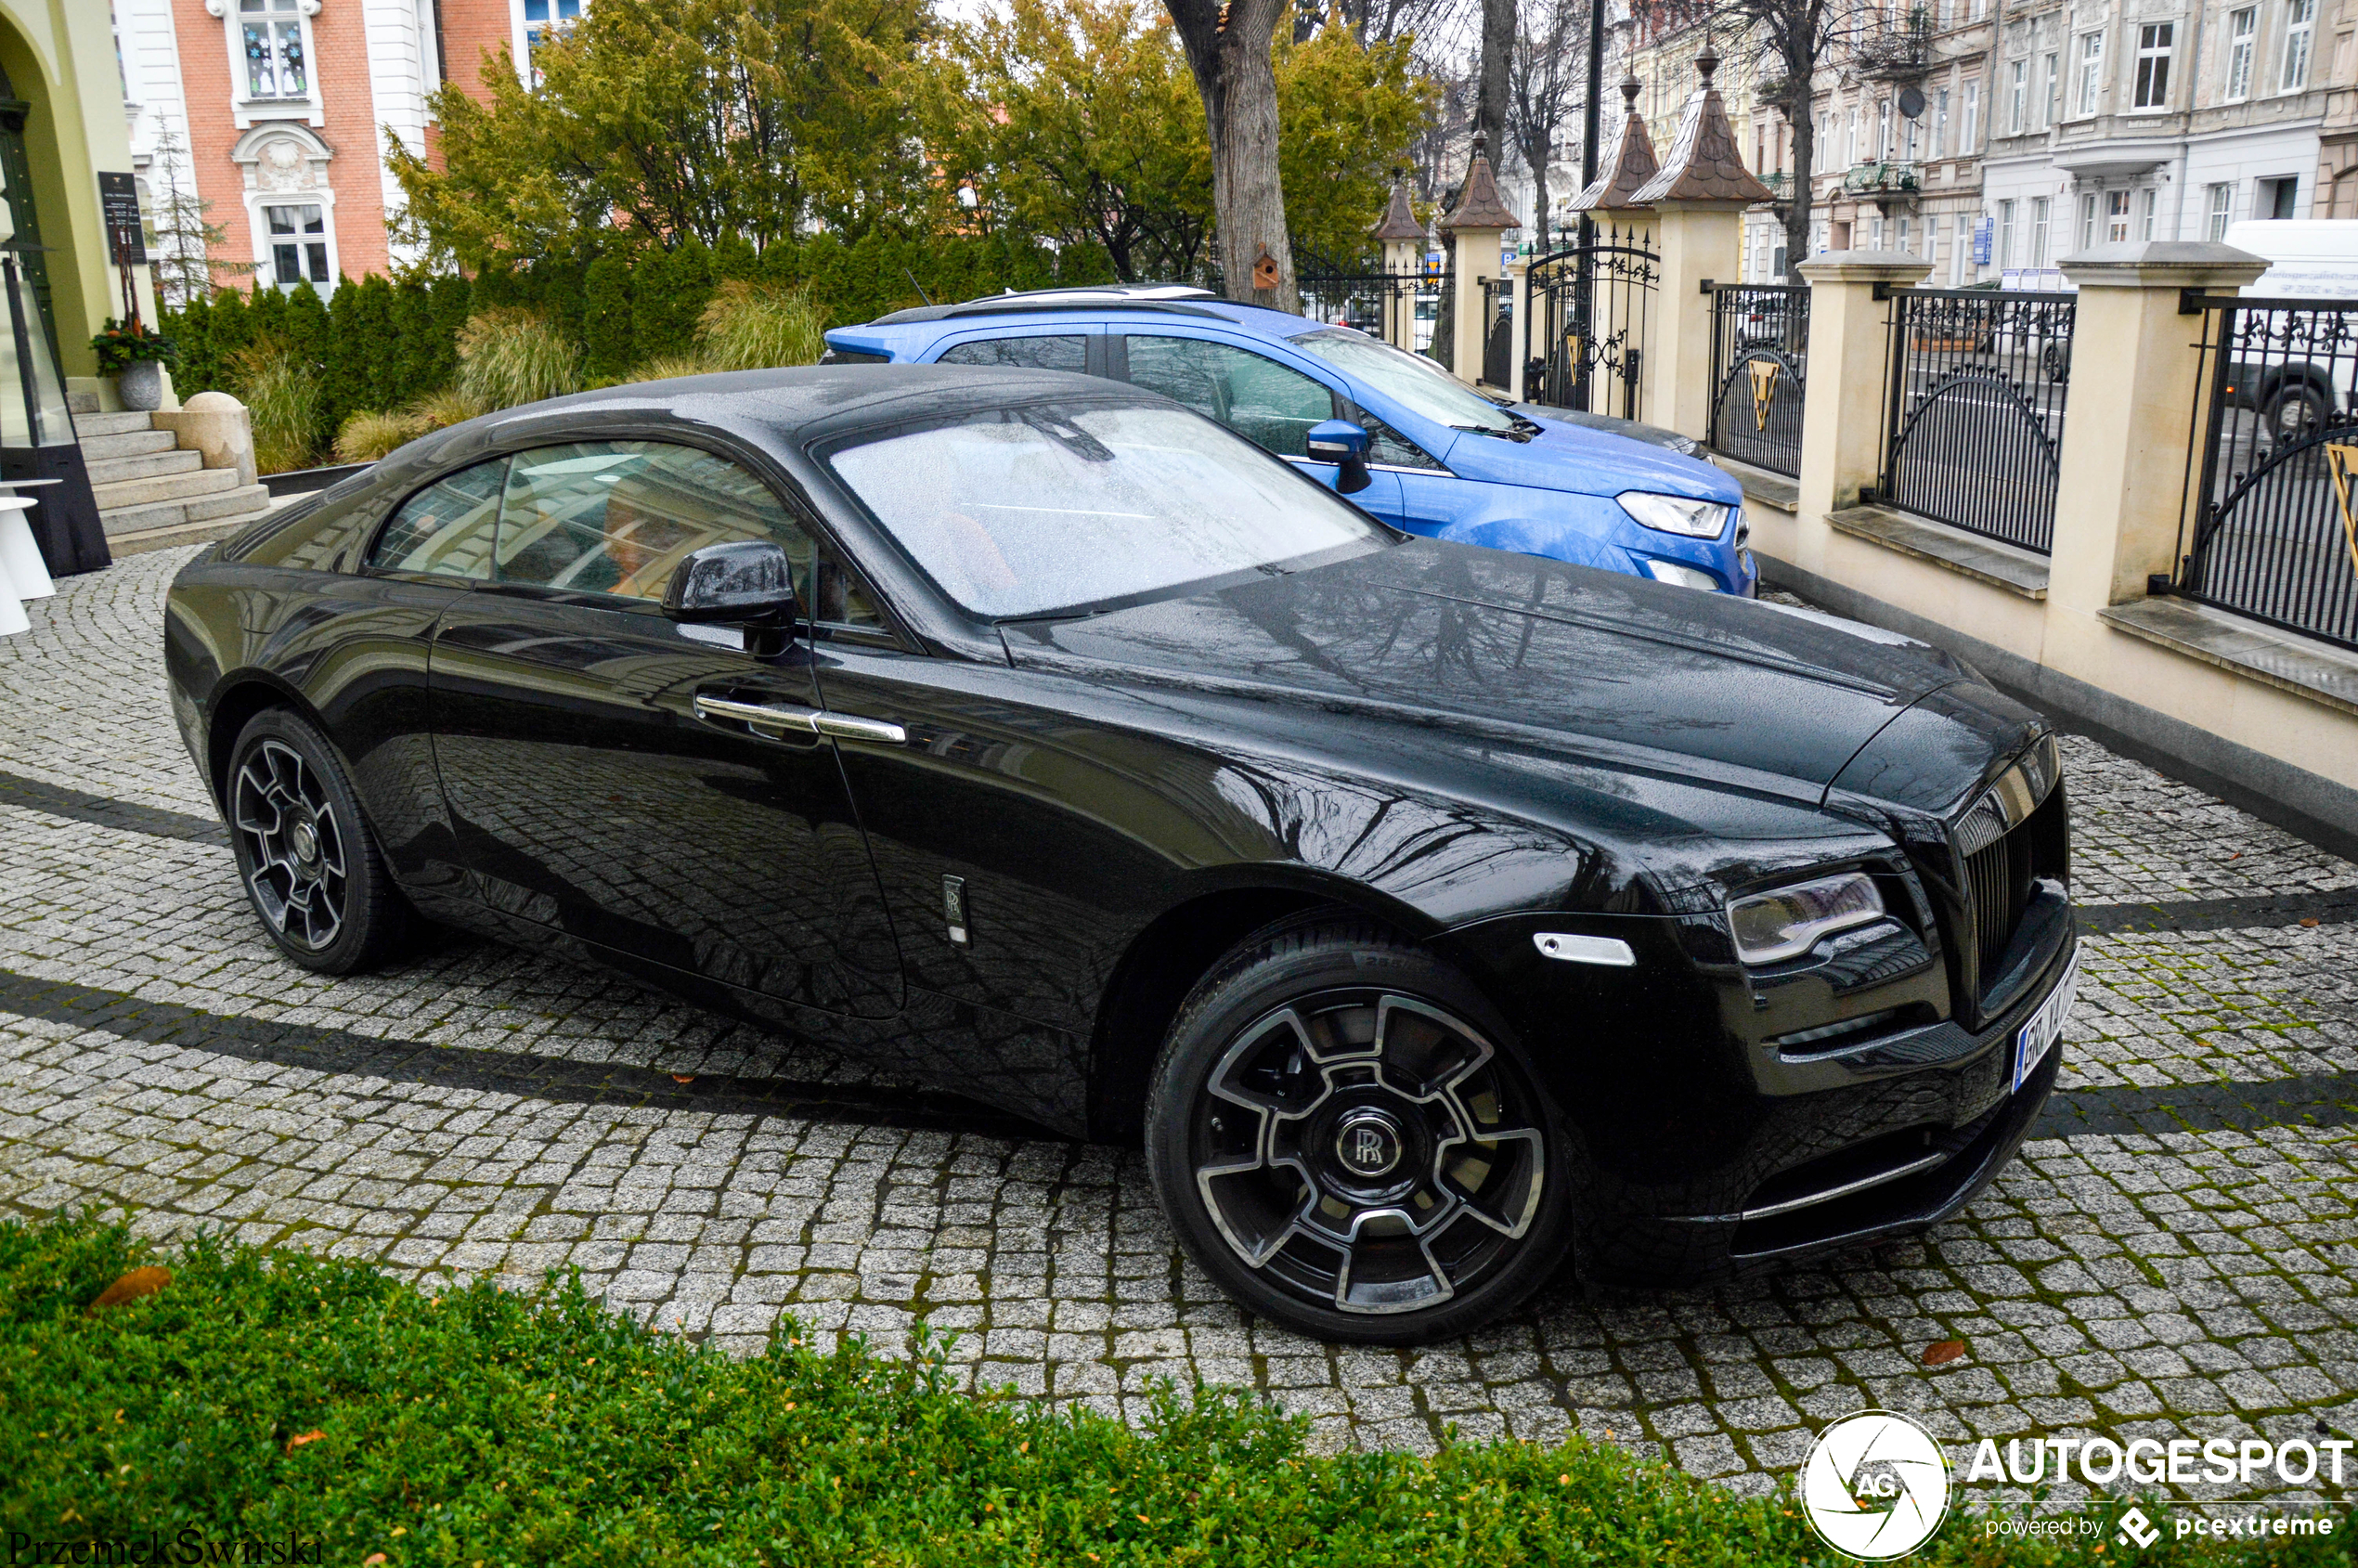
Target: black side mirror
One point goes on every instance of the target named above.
(746, 582)
(1344, 444)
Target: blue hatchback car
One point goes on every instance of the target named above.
(1441, 460)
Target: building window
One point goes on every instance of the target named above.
(2117, 217)
(298, 245)
(271, 31)
(2300, 21)
(540, 17)
(2091, 72)
(2241, 28)
(1969, 133)
(2087, 220)
(2005, 256)
(2039, 205)
(2279, 197)
(1851, 153)
(2221, 199)
(2018, 121)
(1940, 124)
(2149, 204)
(2154, 42)
(2051, 91)
(1883, 130)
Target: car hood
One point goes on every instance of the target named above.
(1524, 652)
(1588, 462)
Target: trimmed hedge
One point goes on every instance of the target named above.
(260, 1394)
(379, 345)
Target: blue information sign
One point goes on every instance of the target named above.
(1981, 241)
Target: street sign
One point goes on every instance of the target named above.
(119, 204)
(1981, 241)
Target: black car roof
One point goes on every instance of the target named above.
(790, 404)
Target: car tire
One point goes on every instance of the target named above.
(2297, 411)
(1315, 1132)
(310, 864)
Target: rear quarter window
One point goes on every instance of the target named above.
(315, 532)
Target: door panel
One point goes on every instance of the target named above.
(1267, 403)
(587, 795)
(588, 791)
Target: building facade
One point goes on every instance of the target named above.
(280, 114)
(2046, 127)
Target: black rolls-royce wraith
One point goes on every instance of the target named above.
(1434, 913)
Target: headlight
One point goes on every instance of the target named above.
(1675, 514)
(1685, 576)
(1772, 927)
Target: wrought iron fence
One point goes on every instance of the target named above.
(1760, 358)
(1383, 302)
(1586, 339)
(1976, 409)
(2269, 527)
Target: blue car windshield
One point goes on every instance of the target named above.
(1044, 509)
(1411, 380)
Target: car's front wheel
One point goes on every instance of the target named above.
(1345, 1139)
(311, 869)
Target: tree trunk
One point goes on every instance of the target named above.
(1804, 125)
(1238, 84)
(1490, 94)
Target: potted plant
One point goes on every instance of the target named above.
(136, 355)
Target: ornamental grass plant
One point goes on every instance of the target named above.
(510, 356)
(366, 436)
(261, 1395)
(755, 327)
(283, 396)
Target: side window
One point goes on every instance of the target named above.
(1258, 398)
(1059, 353)
(615, 517)
(446, 527)
(1386, 445)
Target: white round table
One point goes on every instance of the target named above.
(23, 574)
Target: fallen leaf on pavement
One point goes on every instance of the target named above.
(1941, 1351)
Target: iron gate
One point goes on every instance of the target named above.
(2270, 528)
(1585, 343)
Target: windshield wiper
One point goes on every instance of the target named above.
(1514, 433)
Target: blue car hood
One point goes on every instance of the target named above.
(1588, 462)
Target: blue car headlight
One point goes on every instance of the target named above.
(1675, 514)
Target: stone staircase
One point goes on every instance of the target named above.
(149, 493)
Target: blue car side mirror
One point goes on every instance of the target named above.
(1344, 444)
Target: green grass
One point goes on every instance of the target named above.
(511, 356)
(486, 1427)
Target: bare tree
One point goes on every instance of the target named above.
(1227, 47)
(1789, 41)
(1490, 92)
(185, 235)
(1545, 81)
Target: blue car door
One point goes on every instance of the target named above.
(1271, 404)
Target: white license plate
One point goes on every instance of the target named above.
(2043, 1028)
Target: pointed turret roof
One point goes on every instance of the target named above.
(1704, 163)
(1628, 163)
(1400, 218)
(1479, 204)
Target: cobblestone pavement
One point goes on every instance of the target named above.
(2171, 1256)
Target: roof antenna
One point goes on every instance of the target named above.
(915, 284)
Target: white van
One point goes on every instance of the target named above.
(2301, 378)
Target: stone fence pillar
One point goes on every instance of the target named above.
(1842, 421)
(1700, 242)
(2123, 464)
(216, 425)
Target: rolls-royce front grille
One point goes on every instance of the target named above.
(1997, 891)
(2012, 836)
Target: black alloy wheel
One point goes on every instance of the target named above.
(311, 869)
(1343, 1139)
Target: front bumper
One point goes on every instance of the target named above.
(1698, 1152)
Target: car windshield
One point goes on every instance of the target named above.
(1048, 510)
(1419, 384)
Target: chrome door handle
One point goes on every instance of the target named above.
(849, 727)
(761, 715)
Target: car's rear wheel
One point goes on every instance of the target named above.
(311, 868)
(1344, 1137)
